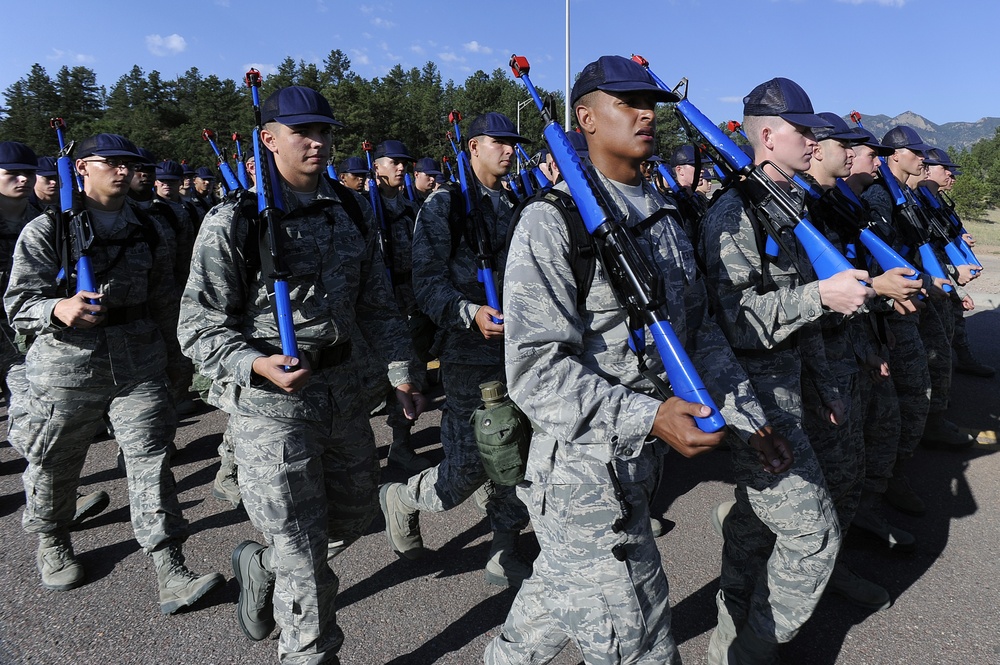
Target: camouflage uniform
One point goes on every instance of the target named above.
(401, 215)
(308, 472)
(571, 371)
(449, 292)
(840, 448)
(788, 519)
(907, 358)
(11, 346)
(76, 376)
(176, 221)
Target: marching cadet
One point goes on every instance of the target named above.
(781, 536)
(600, 425)
(449, 292)
(46, 192)
(425, 170)
(941, 172)
(391, 160)
(98, 354)
(308, 470)
(353, 172)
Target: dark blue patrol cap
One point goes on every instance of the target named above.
(872, 142)
(656, 159)
(707, 174)
(748, 151)
(579, 143)
(784, 98)
(682, 155)
(838, 130)
(902, 136)
(146, 158)
(613, 73)
(938, 157)
(16, 156)
(354, 165)
(496, 125)
(168, 170)
(427, 165)
(187, 170)
(393, 149)
(106, 145)
(297, 105)
(47, 167)
(204, 173)
(440, 179)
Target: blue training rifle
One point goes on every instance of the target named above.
(270, 209)
(635, 280)
(228, 177)
(73, 218)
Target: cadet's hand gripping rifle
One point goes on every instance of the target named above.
(270, 209)
(634, 279)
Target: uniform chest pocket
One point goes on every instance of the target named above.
(301, 253)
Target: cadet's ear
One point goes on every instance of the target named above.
(585, 118)
(269, 137)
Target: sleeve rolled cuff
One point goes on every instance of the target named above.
(635, 425)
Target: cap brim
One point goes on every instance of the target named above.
(431, 172)
(810, 120)
(634, 86)
(306, 119)
(14, 166)
(397, 155)
(168, 178)
(922, 148)
(517, 138)
(113, 152)
(849, 136)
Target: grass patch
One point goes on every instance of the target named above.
(986, 232)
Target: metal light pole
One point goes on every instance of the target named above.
(566, 122)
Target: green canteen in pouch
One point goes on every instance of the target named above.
(502, 434)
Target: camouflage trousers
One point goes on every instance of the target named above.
(937, 327)
(456, 478)
(960, 340)
(782, 536)
(614, 611)
(840, 448)
(911, 379)
(303, 484)
(880, 407)
(54, 427)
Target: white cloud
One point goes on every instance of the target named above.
(883, 3)
(264, 68)
(380, 22)
(476, 47)
(731, 100)
(70, 56)
(418, 49)
(169, 45)
(359, 57)
(448, 56)
(366, 9)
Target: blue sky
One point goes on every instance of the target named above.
(877, 56)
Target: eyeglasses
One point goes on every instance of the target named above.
(114, 163)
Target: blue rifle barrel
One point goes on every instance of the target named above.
(823, 256)
(85, 280)
(228, 177)
(241, 168)
(375, 200)
(886, 256)
(484, 273)
(526, 172)
(964, 253)
(683, 377)
(928, 260)
(408, 180)
(514, 187)
(269, 207)
(331, 172)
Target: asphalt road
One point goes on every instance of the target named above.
(439, 609)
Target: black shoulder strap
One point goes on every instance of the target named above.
(760, 235)
(350, 203)
(582, 254)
